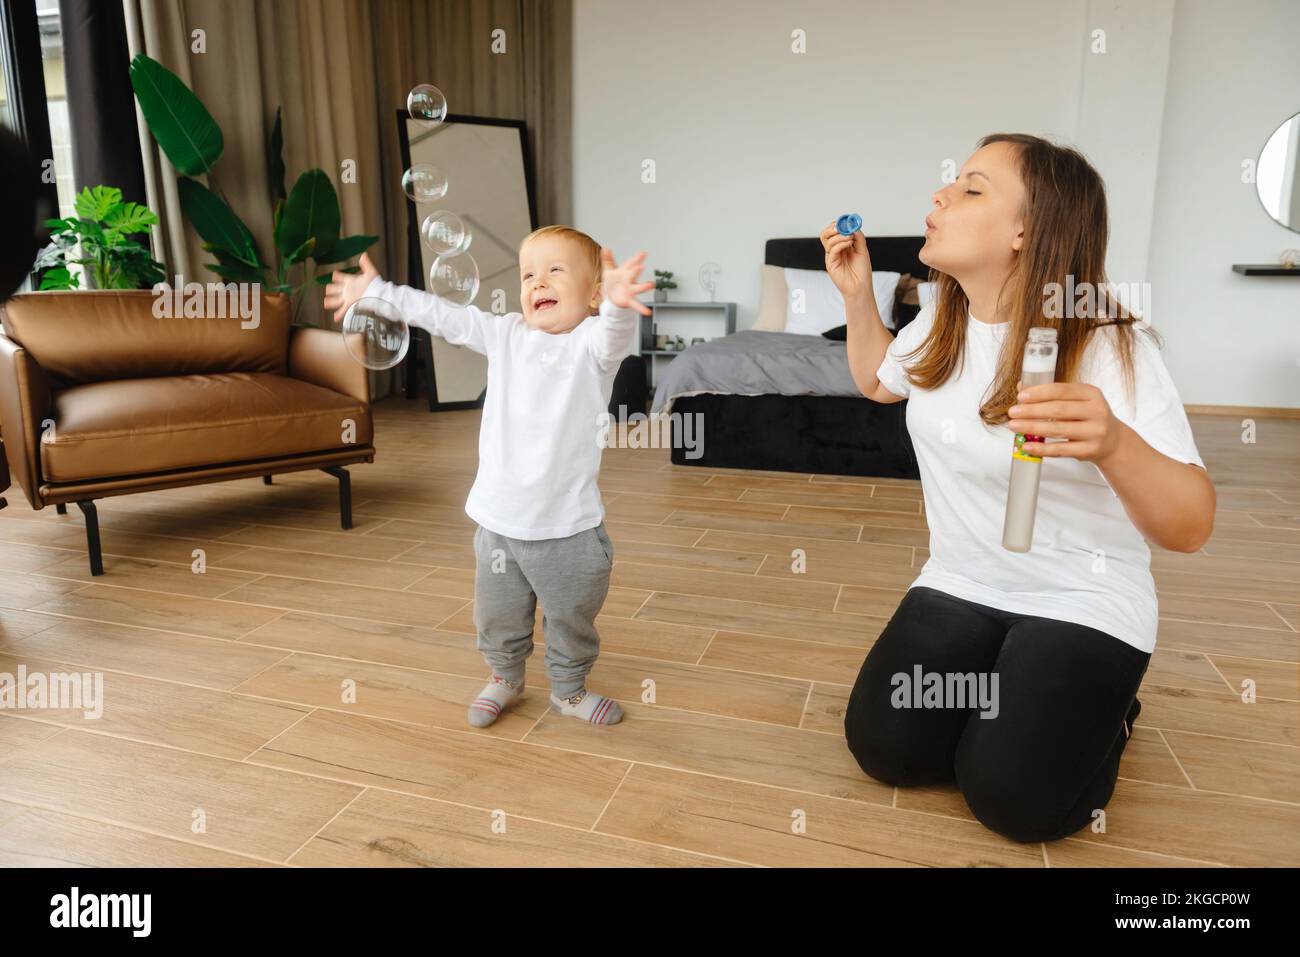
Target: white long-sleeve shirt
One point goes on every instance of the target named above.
(539, 440)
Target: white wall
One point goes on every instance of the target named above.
(1234, 75)
(753, 141)
(1121, 101)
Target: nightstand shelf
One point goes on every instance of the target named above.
(679, 311)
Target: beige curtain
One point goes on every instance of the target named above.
(339, 70)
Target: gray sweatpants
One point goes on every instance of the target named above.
(569, 576)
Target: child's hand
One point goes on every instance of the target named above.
(345, 288)
(619, 282)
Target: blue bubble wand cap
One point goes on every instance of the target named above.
(848, 224)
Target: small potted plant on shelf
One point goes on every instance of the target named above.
(663, 282)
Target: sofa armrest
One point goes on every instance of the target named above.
(319, 356)
(24, 404)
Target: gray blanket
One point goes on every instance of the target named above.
(757, 363)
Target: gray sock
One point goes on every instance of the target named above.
(588, 706)
(492, 700)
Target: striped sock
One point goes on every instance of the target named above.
(492, 700)
(595, 708)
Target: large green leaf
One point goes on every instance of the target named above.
(275, 160)
(177, 118)
(92, 234)
(129, 218)
(344, 249)
(217, 223)
(229, 267)
(60, 278)
(302, 252)
(311, 212)
(139, 269)
(95, 203)
(238, 273)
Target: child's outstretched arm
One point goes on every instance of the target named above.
(613, 336)
(466, 326)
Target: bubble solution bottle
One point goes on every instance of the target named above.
(1038, 368)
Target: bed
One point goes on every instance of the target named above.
(785, 402)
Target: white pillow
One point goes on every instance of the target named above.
(925, 293)
(773, 300)
(814, 304)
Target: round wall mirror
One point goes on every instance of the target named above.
(1277, 174)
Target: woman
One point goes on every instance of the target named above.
(1059, 636)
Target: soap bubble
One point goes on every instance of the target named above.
(445, 233)
(454, 277)
(375, 333)
(424, 183)
(426, 104)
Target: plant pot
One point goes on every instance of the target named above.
(661, 295)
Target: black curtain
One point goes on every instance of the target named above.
(101, 105)
(28, 194)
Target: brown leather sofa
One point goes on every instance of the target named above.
(100, 397)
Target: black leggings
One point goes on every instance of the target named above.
(1049, 759)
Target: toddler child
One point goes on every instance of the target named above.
(541, 533)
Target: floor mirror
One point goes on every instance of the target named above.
(489, 187)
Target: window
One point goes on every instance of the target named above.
(56, 101)
(24, 107)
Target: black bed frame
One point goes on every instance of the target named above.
(832, 435)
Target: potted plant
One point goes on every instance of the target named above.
(306, 218)
(663, 282)
(102, 233)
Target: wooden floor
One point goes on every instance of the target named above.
(230, 736)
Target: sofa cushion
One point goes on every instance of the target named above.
(137, 426)
(101, 336)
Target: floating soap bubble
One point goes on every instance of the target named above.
(426, 104)
(454, 277)
(424, 183)
(375, 333)
(445, 233)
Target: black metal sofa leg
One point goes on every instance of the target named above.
(92, 536)
(345, 493)
(61, 509)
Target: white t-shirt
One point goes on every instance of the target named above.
(1088, 563)
(539, 440)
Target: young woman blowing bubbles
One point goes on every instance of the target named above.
(1063, 633)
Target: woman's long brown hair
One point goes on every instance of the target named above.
(1066, 231)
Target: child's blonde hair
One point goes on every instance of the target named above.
(590, 247)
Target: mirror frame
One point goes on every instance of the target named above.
(1294, 117)
(415, 261)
